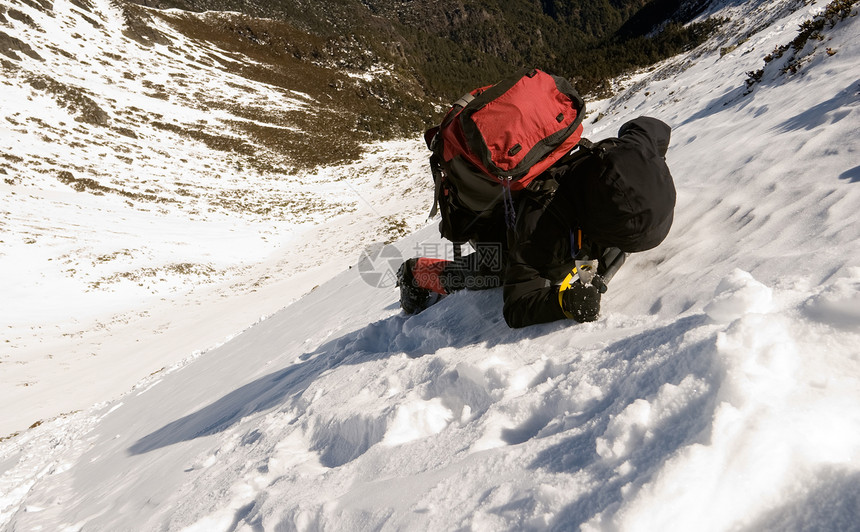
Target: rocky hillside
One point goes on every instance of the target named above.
(451, 45)
(379, 69)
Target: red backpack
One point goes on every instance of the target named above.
(493, 142)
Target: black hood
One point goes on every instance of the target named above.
(624, 194)
(649, 133)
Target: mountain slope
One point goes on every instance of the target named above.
(148, 178)
(719, 390)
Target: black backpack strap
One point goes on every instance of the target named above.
(438, 174)
(583, 148)
(585, 143)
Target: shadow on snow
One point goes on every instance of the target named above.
(460, 320)
(689, 425)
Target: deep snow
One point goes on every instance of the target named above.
(720, 389)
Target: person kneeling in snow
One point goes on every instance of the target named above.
(574, 227)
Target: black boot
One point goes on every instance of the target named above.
(413, 298)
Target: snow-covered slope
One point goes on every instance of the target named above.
(141, 221)
(720, 389)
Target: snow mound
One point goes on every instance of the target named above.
(738, 294)
(417, 419)
(839, 303)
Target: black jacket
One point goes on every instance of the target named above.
(620, 194)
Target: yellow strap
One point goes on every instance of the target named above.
(564, 286)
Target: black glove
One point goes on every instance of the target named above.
(581, 302)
